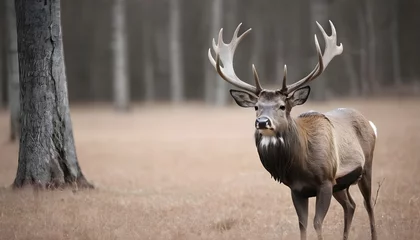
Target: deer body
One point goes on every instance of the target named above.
(315, 154)
(294, 158)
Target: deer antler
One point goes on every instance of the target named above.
(225, 53)
(331, 50)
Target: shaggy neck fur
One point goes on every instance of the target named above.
(279, 153)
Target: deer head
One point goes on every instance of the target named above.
(272, 107)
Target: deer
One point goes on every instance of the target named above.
(316, 155)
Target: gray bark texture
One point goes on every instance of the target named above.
(47, 154)
(12, 71)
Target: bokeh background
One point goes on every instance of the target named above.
(181, 162)
(167, 42)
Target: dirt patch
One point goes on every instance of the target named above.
(192, 172)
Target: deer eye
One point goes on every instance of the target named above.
(282, 107)
(256, 108)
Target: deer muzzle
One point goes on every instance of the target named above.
(263, 123)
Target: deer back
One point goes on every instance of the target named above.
(355, 138)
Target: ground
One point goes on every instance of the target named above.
(192, 172)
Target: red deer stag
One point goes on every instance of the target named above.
(315, 154)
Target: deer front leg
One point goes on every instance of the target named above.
(301, 206)
(323, 200)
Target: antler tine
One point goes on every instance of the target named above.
(331, 50)
(225, 53)
(257, 79)
(284, 86)
(235, 35)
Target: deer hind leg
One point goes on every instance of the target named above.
(365, 186)
(323, 201)
(343, 197)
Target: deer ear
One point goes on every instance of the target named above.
(243, 99)
(300, 96)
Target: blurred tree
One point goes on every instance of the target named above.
(211, 76)
(1, 77)
(218, 17)
(395, 43)
(47, 154)
(12, 70)
(100, 70)
(319, 13)
(369, 8)
(176, 66)
(161, 45)
(258, 58)
(121, 84)
(339, 14)
(280, 44)
(288, 28)
(364, 65)
(148, 39)
(2, 72)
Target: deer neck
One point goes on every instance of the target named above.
(283, 151)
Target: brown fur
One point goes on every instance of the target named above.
(315, 154)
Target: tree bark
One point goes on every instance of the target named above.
(121, 88)
(12, 71)
(177, 86)
(47, 154)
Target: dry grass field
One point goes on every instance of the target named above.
(192, 172)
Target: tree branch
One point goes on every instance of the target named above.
(377, 191)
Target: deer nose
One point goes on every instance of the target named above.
(263, 123)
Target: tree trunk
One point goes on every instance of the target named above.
(121, 88)
(177, 86)
(258, 42)
(371, 33)
(12, 71)
(211, 76)
(1, 67)
(395, 45)
(319, 12)
(351, 72)
(148, 38)
(2, 52)
(47, 154)
(364, 75)
(220, 14)
(99, 63)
